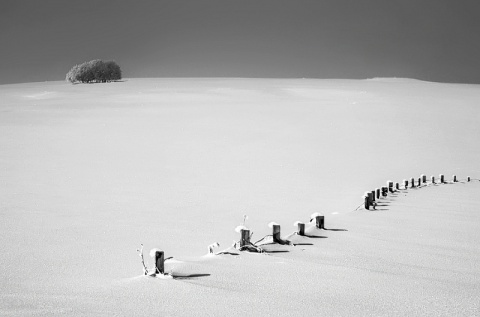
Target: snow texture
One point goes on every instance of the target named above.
(176, 163)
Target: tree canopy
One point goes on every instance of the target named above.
(94, 71)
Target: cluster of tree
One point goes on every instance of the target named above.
(96, 71)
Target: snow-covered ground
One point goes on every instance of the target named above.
(89, 172)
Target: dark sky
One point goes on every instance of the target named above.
(437, 40)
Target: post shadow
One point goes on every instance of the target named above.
(338, 229)
(190, 276)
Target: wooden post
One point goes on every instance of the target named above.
(367, 203)
(468, 178)
(454, 178)
(301, 229)
(433, 179)
(384, 191)
(244, 237)
(405, 183)
(320, 221)
(390, 186)
(276, 233)
(412, 182)
(424, 178)
(378, 192)
(419, 181)
(370, 198)
(373, 195)
(397, 186)
(442, 178)
(159, 262)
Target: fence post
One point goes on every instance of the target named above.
(424, 178)
(366, 203)
(159, 262)
(384, 191)
(276, 233)
(405, 183)
(397, 186)
(454, 178)
(419, 181)
(390, 186)
(412, 181)
(301, 228)
(244, 237)
(433, 179)
(320, 221)
(468, 178)
(442, 178)
(378, 193)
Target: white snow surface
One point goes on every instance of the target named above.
(89, 172)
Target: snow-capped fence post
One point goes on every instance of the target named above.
(367, 202)
(442, 178)
(412, 182)
(454, 178)
(419, 181)
(397, 186)
(371, 199)
(424, 178)
(159, 262)
(244, 237)
(405, 183)
(378, 193)
(301, 228)
(390, 186)
(320, 222)
(468, 178)
(384, 191)
(276, 233)
(433, 179)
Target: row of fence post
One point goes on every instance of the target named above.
(245, 233)
(370, 197)
(159, 256)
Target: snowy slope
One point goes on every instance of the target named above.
(88, 172)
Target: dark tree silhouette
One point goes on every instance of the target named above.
(96, 71)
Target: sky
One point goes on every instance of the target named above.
(434, 40)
